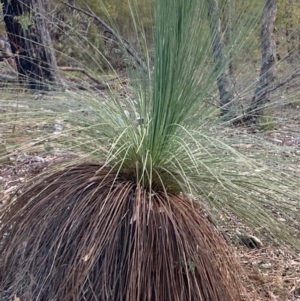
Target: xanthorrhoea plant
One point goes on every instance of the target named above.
(129, 228)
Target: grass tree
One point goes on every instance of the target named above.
(126, 220)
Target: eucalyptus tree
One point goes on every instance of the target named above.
(267, 70)
(224, 84)
(266, 21)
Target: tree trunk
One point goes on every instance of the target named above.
(27, 30)
(290, 28)
(298, 28)
(227, 29)
(223, 80)
(72, 5)
(268, 49)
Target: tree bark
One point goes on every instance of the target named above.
(27, 30)
(223, 81)
(289, 28)
(268, 49)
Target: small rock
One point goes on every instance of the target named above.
(297, 140)
(138, 121)
(127, 113)
(297, 291)
(266, 265)
(250, 241)
(58, 128)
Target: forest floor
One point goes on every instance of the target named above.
(272, 272)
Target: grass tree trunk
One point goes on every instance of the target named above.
(30, 41)
(267, 70)
(223, 80)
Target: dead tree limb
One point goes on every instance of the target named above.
(78, 69)
(125, 43)
(292, 76)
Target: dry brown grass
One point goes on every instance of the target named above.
(87, 234)
(271, 273)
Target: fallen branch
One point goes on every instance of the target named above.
(125, 43)
(100, 84)
(247, 119)
(295, 74)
